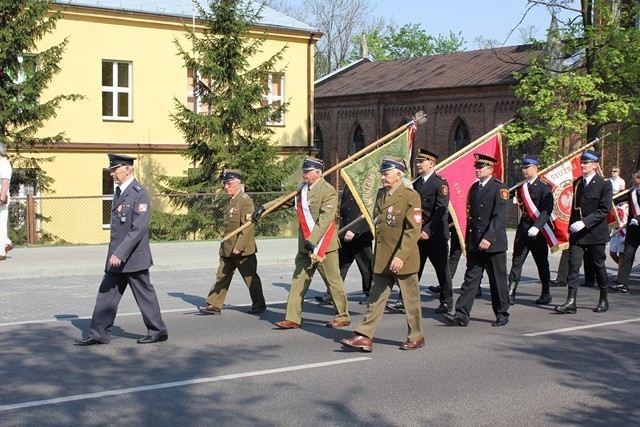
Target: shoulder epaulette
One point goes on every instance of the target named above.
(138, 188)
(244, 196)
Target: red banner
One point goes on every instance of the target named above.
(460, 175)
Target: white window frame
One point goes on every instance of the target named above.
(115, 90)
(195, 78)
(270, 97)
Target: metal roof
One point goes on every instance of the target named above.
(184, 9)
(486, 67)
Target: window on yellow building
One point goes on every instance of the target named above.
(274, 98)
(194, 103)
(116, 90)
(108, 188)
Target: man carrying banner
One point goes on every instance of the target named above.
(316, 204)
(434, 236)
(632, 237)
(486, 243)
(588, 230)
(535, 200)
(399, 219)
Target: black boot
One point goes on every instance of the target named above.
(545, 296)
(512, 291)
(569, 307)
(603, 303)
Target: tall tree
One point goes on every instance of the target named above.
(408, 41)
(588, 83)
(25, 74)
(231, 131)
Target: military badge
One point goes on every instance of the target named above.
(504, 193)
(417, 215)
(142, 207)
(247, 217)
(445, 189)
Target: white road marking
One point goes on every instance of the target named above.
(577, 328)
(177, 384)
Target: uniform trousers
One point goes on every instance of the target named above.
(358, 250)
(598, 255)
(496, 265)
(380, 291)
(455, 253)
(563, 268)
(632, 240)
(301, 280)
(437, 251)
(109, 295)
(538, 247)
(247, 266)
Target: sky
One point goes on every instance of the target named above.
(491, 19)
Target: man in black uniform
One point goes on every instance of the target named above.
(632, 238)
(434, 236)
(536, 205)
(486, 243)
(128, 259)
(588, 230)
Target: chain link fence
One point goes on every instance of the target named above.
(174, 217)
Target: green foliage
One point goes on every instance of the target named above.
(26, 73)
(408, 41)
(596, 90)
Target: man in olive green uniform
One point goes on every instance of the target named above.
(316, 204)
(237, 252)
(396, 259)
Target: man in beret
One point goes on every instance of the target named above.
(486, 243)
(535, 200)
(316, 203)
(5, 180)
(128, 259)
(238, 252)
(588, 230)
(398, 217)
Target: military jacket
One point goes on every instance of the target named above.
(487, 216)
(398, 225)
(237, 212)
(591, 205)
(130, 230)
(542, 197)
(434, 196)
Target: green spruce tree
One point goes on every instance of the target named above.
(25, 73)
(231, 133)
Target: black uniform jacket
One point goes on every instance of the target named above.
(591, 205)
(487, 216)
(542, 197)
(434, 196)
(350, 211)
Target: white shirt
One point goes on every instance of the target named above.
(5, 171)
(426, 177)
(618, 184)
(587, 179)
(125, 184)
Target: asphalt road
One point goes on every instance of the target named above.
(237, 369)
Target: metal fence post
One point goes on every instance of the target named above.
(31, 220)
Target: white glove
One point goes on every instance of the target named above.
(576, 226)
(533, 232)
(633, 222)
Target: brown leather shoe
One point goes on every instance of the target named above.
(8, 247)
(358, 341)
(2, 257)
(285, 324)
(337, 324)
(209, 309)
(412, 345)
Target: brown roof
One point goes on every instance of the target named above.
(474, 68)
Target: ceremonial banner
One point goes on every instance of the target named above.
(459, 172)
(363, 177)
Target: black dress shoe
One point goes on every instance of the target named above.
(454, 318)
(544, 299)
(148, 339)
(88, 341)
(257, 310)
(500, 322)
(444, 308)
(397, 306)
(324, 299)
(619, 287)
(557, 283)
(435, 289)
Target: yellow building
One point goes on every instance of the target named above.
(121, 56)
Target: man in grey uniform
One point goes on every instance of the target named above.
(128, 259)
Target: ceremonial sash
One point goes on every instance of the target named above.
(307, 223)
(635, 207)
(534, 214)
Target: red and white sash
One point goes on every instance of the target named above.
(635, 207)
(534, 214)
(307, 223)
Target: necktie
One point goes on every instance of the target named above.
(585, 182)
(117, 194)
